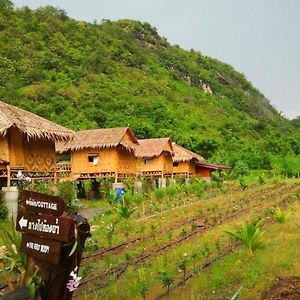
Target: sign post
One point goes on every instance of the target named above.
(48, 235)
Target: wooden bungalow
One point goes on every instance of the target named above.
(184, 161)
(154, 157)
(205, 169)
(101, 153)
(27, 145)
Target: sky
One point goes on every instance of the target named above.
(259, 38)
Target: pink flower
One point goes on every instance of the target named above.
(73, 283)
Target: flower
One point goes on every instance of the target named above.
(73, 283)
(28, 179)
(19, 175)
(184, 254)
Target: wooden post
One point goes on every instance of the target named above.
(55, 177)
(116, 177)
(50, 250)
(8, 176)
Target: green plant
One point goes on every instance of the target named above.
(280, 216)
(143, 281)
(183, 232)
(166, 278)
(243, 184)
(250, 235)
(87, 185)
(3, 207)
(110, 230)
(261, 179)
(218, 246)
(124, 212)
(111, 197)
(16, 260)
(67, 192)
(206, 253)
(183, 264)
(194, 256)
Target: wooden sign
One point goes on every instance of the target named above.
(51, 227)
(40, 248)
(35, 203)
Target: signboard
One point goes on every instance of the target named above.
(43, 249)
(51, 227)
(35, 203)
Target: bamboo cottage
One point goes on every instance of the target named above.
(101, 153)
(27, 145)
(154, 157)
(186, 163)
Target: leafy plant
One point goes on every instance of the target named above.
(3, 207)
(143, 281)
(183, 264)
(67, 192)
(11, 239)
(166, 278)
(250, 235)
(243, 184)
(124, 212)
(280, 216)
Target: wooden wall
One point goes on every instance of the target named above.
(203, 172)
(39, 156)
(108, 161)
(162, 163)
(34, 155)
(126, 162)
(185, 167)
(4, 148)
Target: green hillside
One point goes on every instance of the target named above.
(84, 75)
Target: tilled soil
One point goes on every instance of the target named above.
(287, 288)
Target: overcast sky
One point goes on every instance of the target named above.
(260, 38)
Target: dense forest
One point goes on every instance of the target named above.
(88, 75)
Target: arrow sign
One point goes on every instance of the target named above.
(51, 227)
(45, 250)
(23, 222)
(38, 203)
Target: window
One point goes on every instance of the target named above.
(148, 161)
(93, 158)
(175, 164)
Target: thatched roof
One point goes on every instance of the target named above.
(182, 154)
(149, 148)
(30, 124)
(212, 166)
(98, 138)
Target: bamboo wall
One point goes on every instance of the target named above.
(39, 156)
(185, 167)
(126, 162)
(32, 155)
(108, 161)
(162, 163)
(4, 149)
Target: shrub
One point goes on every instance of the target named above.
(166, 278)
(67, 192)
(3, 207)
